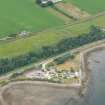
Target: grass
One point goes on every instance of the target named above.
(24, 45)
(83, 27)
(29, 16)
(91, 6)
(19, 15)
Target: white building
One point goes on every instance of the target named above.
(53, 1)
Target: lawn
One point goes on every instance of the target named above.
(24, 45)
(91, 6)
(19, 15)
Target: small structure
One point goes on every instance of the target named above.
(53, 1)
(47, 2)
(23, 33)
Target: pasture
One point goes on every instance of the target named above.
(91, 6)
(35, 42)
(20, 15)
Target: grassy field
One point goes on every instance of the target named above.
(19, 15)
(91, 6)
(24, 45)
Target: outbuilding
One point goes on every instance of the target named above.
(47, 2)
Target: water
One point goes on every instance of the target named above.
(97, 66)
(96, 89)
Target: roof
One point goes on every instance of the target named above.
(46, 1)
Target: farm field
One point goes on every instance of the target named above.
(20, 15)
(42, 50)
(25, 45)
(30, 93)
(21, 46)
(91, 6)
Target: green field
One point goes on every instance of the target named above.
(91, 6)
(24, 45)
(20, 15)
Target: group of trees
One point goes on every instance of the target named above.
(61, 60)
(9, 64)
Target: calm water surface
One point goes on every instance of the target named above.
(96, 89)
(97, 66)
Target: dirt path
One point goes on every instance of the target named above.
(73, 10)
(60, 15)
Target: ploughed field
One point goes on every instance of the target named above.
(38, 94)
(20, 15)
(91, 6)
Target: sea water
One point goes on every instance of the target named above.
(96, 88)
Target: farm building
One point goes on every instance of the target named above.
(47, 2)
(53, 1)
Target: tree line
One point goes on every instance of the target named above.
(9, 64)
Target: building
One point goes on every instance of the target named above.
(53, 1)
(47, 2)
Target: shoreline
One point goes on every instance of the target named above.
(81, 91)
(84, 67)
